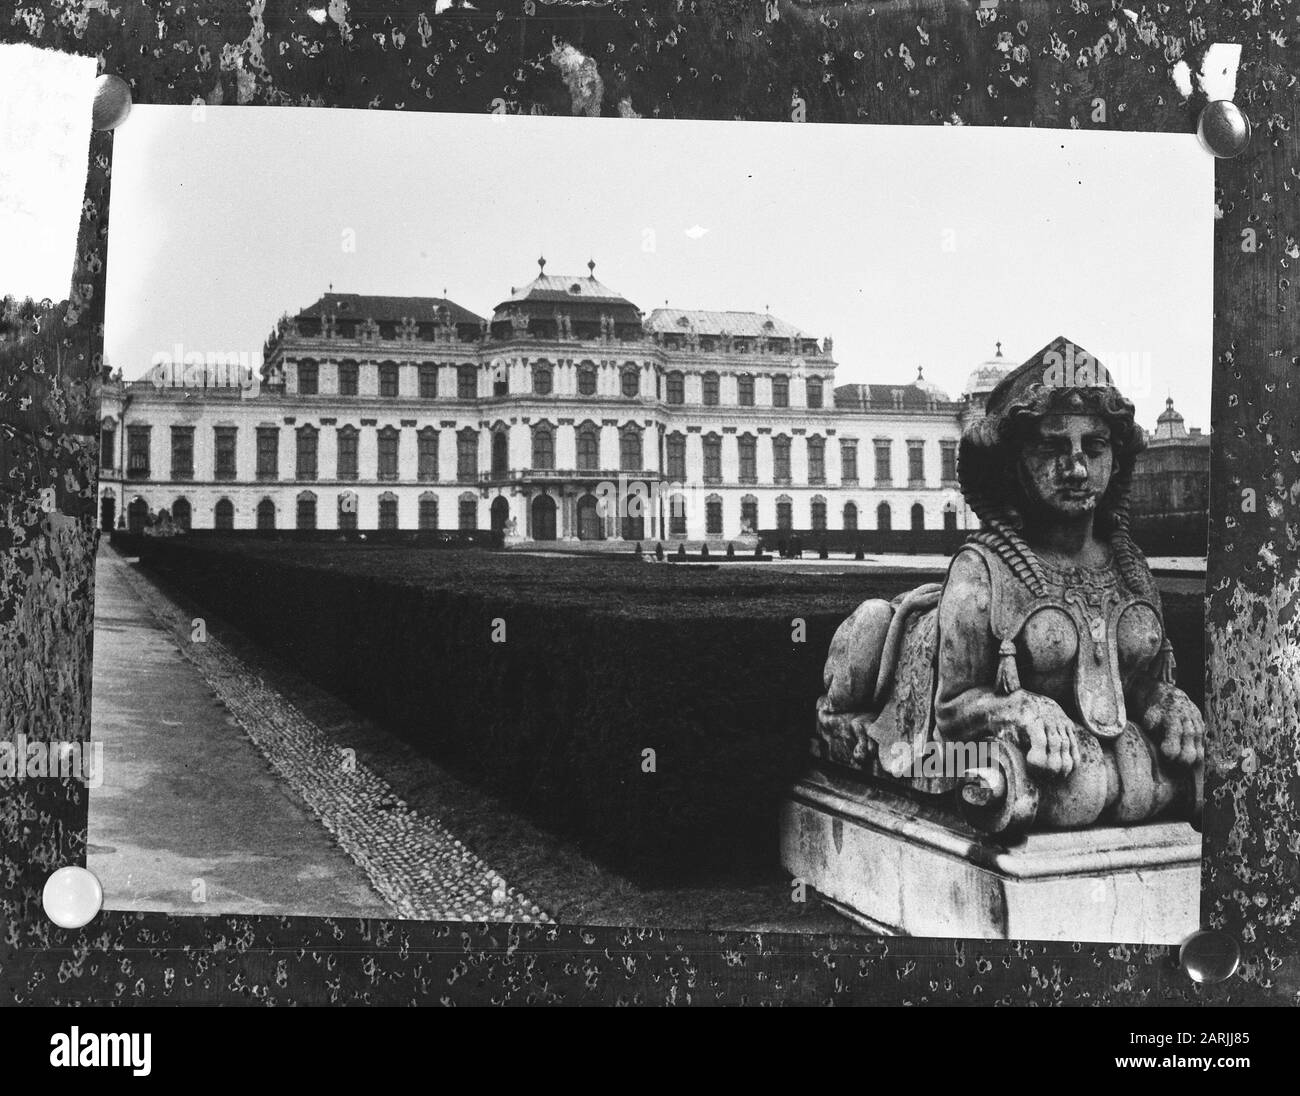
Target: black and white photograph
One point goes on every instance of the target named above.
(687, 524)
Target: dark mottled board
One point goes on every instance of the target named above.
(1040, 64)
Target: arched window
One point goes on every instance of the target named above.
(349, 504)
(818, 514)
(884, 520)
(308, 378)
(675, 457)
(918, 517)
(266, 514)
(543, 380)
(305, 466)
(388, 510)
(781, 458)
(389, 438)
(747, 446)
(676, 387)
(712, 458)
(629, 448)
(182, 514)
(223, 514)
(814, 391)
(427, 454)
(500, 452)
(586, 379)
(851, 517)
(467, 512)
(467, 454)
(348, 371)
(466, 382)
(677, 515)
(780, 390)
(745, 390)
(784, 514)
(748, 514)
(388, 380)
(713, 516)
(306, 516)
(543, 446)
(428, 511)
(710, 389)
(588, 447)
(631, 381)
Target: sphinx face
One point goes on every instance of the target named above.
(1066, 464)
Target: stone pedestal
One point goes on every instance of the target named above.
(905, 867)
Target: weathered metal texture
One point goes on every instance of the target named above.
(909, 62)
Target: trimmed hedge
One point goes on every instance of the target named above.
(603, 658)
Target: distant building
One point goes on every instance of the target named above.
(568, 415)
(1171, 488)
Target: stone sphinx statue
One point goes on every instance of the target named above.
(1034, 689)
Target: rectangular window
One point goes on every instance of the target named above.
(883, 473)
(347, 454)
(388, 513)
(108, 448)
(428, 382)
(948, 461)
(748, 458)
(676, 457)
(182, 452)
(814, 390)
(781, 459)
(388, 454)
(745, 390)
(306, 512)
(468, 514)
(713, 517)
(348, 378)
(780, 391)
(712, 459)
(388, 380)
(306, 463)
(784, 516)
(268, 452)
(225, 439)
(308, 374)
(710, 390)
(428, 455)
(348, 512)
(466, 382)
(749, 513)
(428, 513)
(676, 388)
(915, 462)
(137, 452)
(467, 456)
(816, 460)
(849, 461)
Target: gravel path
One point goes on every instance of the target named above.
(415, 863)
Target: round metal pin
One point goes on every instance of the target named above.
(1209, 956)
(1223, 129)
(72, 897)
(112, 102)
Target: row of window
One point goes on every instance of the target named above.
(467, 514)
(543, 383)
(223, 513)
(631, 454)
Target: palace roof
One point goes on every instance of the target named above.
(383, 309)
(703, 322)
(886, 397)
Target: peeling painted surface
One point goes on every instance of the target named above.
(917, 63)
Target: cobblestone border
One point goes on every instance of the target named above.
(417, 865)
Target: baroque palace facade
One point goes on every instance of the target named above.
(568, 415)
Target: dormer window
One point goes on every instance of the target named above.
(575, 288)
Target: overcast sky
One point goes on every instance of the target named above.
(910, 245)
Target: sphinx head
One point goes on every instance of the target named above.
(1057, 441)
